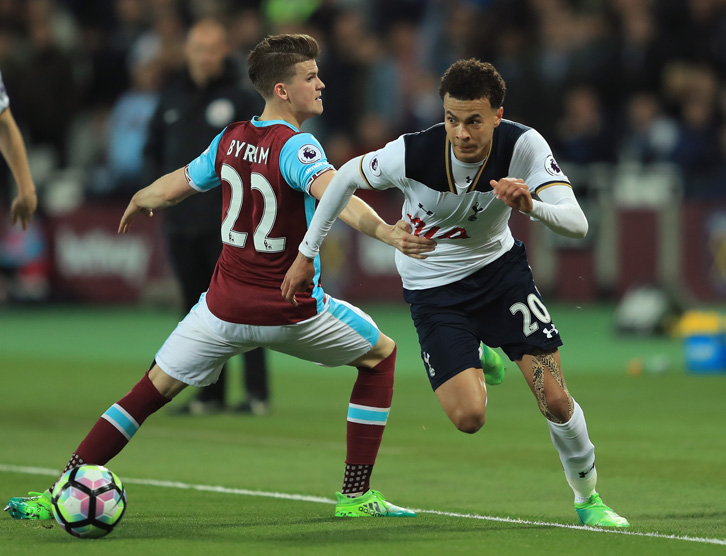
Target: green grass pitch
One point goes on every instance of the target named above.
(233, 484)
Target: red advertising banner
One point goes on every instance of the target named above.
(94, 263)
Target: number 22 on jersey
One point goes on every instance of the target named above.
(260, 237)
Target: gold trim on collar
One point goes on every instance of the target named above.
(449, 172)
(450, 169)
(481, 170)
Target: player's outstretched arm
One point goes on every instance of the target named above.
(336, 192)
(361, 216)
(13, 150)
(167, 191)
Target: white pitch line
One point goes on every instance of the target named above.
(321, 500)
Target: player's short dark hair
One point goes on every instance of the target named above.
(274, 58)
(473, 79)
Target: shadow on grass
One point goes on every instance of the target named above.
(314, 531)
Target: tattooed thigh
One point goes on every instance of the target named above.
(543, 363)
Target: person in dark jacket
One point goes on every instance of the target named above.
(194, 106)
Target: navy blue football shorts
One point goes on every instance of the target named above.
(498, 305)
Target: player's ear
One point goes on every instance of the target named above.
(498, 116)
(279, 90)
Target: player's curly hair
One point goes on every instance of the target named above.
(273, 60)
(473, 79)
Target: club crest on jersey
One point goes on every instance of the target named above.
(375, 166)
(423, 208)
(552, 167)
(477, 209)
(307, 154)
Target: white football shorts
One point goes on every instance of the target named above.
(201, 344)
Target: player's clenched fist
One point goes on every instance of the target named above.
(514, 192)
(402, 238)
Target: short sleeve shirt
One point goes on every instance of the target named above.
(265, 169)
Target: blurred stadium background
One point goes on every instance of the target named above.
(631, 95)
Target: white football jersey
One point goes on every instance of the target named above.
(452, 202)
(4, 100)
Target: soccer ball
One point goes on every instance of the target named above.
(88, 501)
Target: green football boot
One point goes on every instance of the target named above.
(595, 513)
(35, 506)
(492, 365)
(370, 504)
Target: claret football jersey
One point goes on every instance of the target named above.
(452, 202)
(265, 169)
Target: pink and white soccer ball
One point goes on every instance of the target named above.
(88, 501)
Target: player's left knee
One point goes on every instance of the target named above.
(558, 406)
(468, 421)
(386, 347)
(383, 352)
(378, 370)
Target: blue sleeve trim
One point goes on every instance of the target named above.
(302, 159)
(200, 171)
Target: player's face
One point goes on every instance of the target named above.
(470, 126)
(305, 90)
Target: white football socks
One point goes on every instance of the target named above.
(577, 454)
